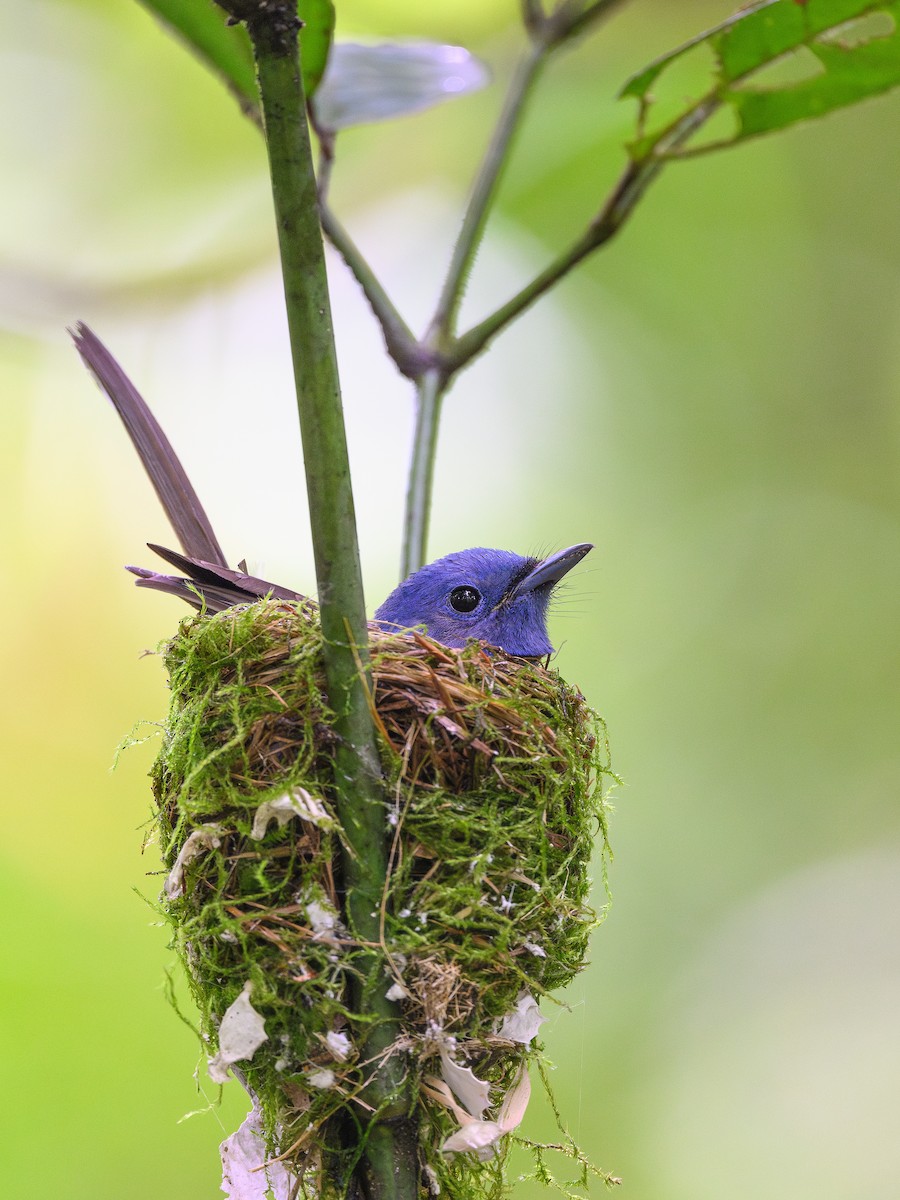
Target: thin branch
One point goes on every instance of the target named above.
(326, 157)
(630, 187)
(429, 394)
(632, 184)
(533, 16)
(568, 22)
(400, 341)
(431, 385)
(547, 33)
(483, 192)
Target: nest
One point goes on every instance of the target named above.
(494, 769)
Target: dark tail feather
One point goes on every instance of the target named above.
(208, 584)
(177, 496)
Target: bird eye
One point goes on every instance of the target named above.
(465, 599)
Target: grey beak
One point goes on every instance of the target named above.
(551, 569)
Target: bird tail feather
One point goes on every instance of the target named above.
(175, 491)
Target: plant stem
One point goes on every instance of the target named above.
(399, 339)
(432, 381)
(483, 192)
(430, 389)
(631, 186)
(389, 1160)
(620, 204)
(546, 34)
(572, 19)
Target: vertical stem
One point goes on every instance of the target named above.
(546, 33)
(389, 1165)
(430, 389)
(432, 384)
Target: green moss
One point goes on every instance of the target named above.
(495, 769)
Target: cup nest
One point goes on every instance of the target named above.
(494, 773)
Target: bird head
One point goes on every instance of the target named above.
(493, 595)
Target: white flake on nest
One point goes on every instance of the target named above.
(482, 1136)
(523, 1023)
(322, 917)
(396, 992)
(241, 1032)
(339, 1045)
(472, 1093)
(205, 838)
(296, 803)
(323, 1078)
(434, 1184)
(535, 949)
(245, 1173)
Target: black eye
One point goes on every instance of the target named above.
(464, 599)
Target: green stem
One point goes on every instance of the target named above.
(431, 379)
(399, 339)
(632, 184)
(533, 17)
(573, 18)
(483, 192)
(430, 390)
(389, 1164)
(629, 189)
(546, 34)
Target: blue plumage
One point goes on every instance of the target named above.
(493, 595)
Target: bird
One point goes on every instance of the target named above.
(493, 596)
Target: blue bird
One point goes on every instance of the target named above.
(494, 596)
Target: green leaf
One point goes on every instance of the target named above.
(854, 47)
(227, 49)
(375, 83)
(849, 76)
(315, 40)
(224, 48)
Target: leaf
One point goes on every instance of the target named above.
(224, 48)
(227, 49)
(315, 40)
(855, 49)
(375, 83)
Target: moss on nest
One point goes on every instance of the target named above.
(495, 769)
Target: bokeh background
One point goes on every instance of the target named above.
(714, 400)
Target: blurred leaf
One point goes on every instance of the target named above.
(315, 40)
(227, 49)
(856, 49)
(224, 48)
(375, 83)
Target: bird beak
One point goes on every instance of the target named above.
(551, 570)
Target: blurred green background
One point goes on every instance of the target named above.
(714, 401)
